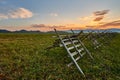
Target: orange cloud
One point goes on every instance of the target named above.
(39, 25)
(98, 18)
(48, 27)
(111, 24)
(100, 15)
(58, 27)
(95, 17)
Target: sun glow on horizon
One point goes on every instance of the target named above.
(45, 15)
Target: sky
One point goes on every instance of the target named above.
(45, 15)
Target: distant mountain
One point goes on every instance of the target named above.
(4, 31)
(20, 31)
(25, 31)
(114, 30)
(61, 32)
(96, 30)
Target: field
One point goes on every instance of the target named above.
(24, 57)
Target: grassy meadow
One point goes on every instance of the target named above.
(23, 56)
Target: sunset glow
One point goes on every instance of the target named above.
(45, 15)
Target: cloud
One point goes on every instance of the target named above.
(18, 13)
(99, 13)
(105, 25)
(46, 26)
(39, 25)
(95, 16)
(98, 18)
(113, 23)
(54, 14)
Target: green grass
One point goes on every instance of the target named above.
(23, 57)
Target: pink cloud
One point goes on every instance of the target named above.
(113, 23)
(46, 26)
(98, 18)
(105, 25)
(39, 25)
(100, 15)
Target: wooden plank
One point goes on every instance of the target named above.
(74, 53)
(80, 70)
(85, 49)
(83, 53)
(68, 39)
(81, 49)
(77, 58)
(67, 43)
(72, 62)
(65, 40)
(78, 45)
(71, 48)
(75, 41)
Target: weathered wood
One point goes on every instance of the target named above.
(70, 54)
(76, 48)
